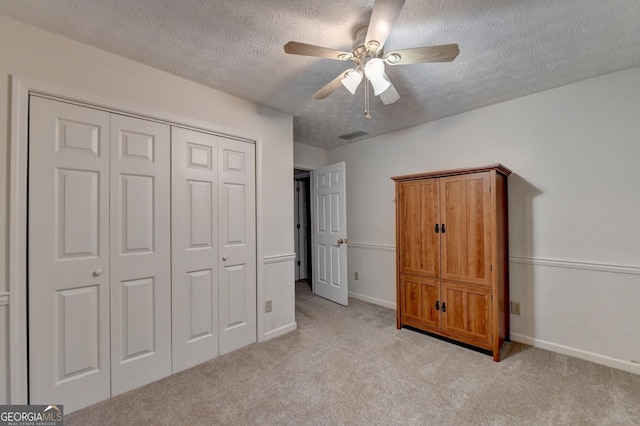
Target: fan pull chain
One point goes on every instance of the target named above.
(366, 99)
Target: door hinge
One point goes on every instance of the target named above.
(297, 189)
(298, 263)
(298, 226)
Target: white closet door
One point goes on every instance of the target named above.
(194, 217)
(68, 254)
(140, 253)
(237, 242)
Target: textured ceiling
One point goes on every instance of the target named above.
(508, 48)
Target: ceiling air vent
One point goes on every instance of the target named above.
(354, 135)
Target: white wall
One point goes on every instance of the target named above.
(39, 55)
(574, 203)
(308, 157)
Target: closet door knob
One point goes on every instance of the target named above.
(224, 258)
(97, 272)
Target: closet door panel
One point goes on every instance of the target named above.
(140, 252)
(194, 206)
(237, 244)
(68, 254)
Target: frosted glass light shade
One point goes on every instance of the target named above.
(374, 70)
(352, 80)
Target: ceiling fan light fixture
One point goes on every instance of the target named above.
(352, 80)
(374, 70)
(390, 95)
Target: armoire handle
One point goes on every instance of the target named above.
(443, 230)
(437, 305)
(444, 307)
(437, 228)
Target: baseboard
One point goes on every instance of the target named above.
(280, 331)
(631, 367)
(373, 300)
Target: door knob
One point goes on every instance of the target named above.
(97, 272)
(342, 241)
(224, 258)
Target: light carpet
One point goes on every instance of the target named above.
(351, 366)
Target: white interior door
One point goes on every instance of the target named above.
(68, 254)
(329, 234)
(237, 244)
(194, 206)
(140, 253)
(297, 226)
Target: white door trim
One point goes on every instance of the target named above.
(21, 88)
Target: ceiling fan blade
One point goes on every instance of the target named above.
(384, 15)
(419, 55)
(329, 88)
(296, 48)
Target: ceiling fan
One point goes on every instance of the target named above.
(369, 57)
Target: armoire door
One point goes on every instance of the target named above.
(466, 311)
(420, 301)
(194, 206)
(68, 259)
(419, 251)
(465, 215)
(236, 244)
(140, 252)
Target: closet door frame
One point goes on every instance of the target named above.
(21, 89)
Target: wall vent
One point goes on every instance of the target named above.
(354, 135)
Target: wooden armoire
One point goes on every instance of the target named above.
(452, 255)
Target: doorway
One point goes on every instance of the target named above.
(302, 224)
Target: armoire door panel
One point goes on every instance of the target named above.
(140, 252)
(237, 244)
(68, 254)
(419, 241)
(465, 214)
(419, 296)
(468, 311)
(194, 222)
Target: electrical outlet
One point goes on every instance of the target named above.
(515, 308)
(268, 306)
(356, 276)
